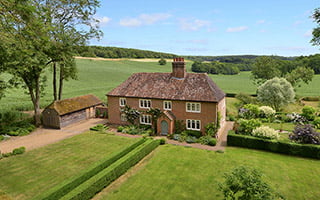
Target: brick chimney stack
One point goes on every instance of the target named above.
(178, 68)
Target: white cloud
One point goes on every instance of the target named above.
(261, 21)
(104, 20)
(193, 24)
(196, 41)
(236, 29)
(144, 19)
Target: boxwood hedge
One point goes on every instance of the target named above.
(289, 148)
(96, 183)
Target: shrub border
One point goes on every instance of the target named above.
(65, 187)
(88, 189)
(294, 149)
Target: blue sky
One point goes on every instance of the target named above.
(210, 27)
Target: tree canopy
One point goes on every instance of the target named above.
(276, 93)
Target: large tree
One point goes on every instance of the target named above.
(316, 31)
(276, 93)
(34, 34)
(265, 68)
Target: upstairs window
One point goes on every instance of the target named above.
(144, 103)
(122, 102)
(193, 107)
(193, 124)
(167, 105)
(145, 119)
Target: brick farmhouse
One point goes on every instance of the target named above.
(191, 98)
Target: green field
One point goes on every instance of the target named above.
(27, 175)
(175, 172)
(99, 77)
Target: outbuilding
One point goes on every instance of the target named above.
(64, 112)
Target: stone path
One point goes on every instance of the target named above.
(43, 136)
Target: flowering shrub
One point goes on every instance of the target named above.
(249, 111)
(265, 132)
(305, 134)
(246, 127)
(296, 118)
(267, 111)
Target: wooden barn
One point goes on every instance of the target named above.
(68, 111)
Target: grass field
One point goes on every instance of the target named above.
(27, 175)
(175, 172)
(99, 77)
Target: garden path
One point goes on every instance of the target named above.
(44, 136)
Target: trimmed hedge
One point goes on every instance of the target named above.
(96, 183)
(66, 186)
(303, 150)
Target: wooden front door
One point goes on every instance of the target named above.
(164, 127)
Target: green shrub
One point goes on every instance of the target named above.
(1, 137)
(191, 139)
(316, 122)
(162, 141)
(99, 127)
(70, 184)
(265, 132)
(308, 112)
(194, 133)
(309, 151)
(205, 139)
(212, 142)
(120, 128)
(246, 127)
(245, 98)
(19, 150)
(211, 129)
(179, 126)
(162, 61)
(96, 183)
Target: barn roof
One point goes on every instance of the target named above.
(74, 104)
(194, 87)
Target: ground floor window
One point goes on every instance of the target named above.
(123, 117)
(145, 119)
(193, 124)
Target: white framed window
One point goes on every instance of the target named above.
(193, 124)
(167, 105)
(144, 103)
(122, 102)
(193, 107)
(123, 117)
(145, 119)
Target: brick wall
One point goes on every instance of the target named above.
(207, 114)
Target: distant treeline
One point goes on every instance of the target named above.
(116, 52)
(215, 67)
(210, 64)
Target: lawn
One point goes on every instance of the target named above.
(99, 77)
(27, 175)
(175, 172)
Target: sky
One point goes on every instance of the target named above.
(209, 27)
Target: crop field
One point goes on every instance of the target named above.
(98, 77)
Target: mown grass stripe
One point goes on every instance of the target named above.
(66, 186)
(96, 183)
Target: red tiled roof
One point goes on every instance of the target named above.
(194, 87)
(66, 106)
